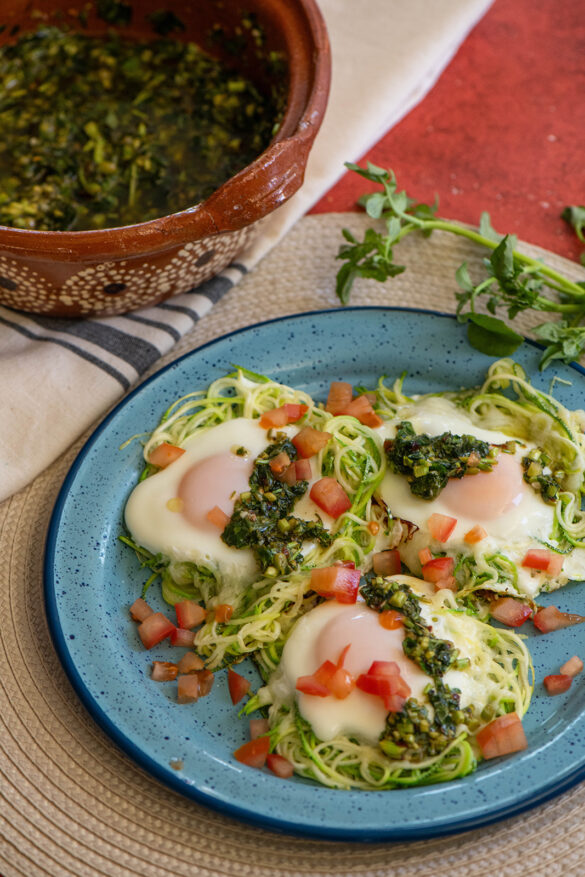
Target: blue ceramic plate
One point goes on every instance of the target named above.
(91, 579)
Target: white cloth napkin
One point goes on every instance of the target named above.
(58, 376)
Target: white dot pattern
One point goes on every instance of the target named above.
(115, 287)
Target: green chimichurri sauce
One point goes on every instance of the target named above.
(107, 131)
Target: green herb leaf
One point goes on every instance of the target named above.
(491, 335)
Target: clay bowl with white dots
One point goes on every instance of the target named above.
(116, 270)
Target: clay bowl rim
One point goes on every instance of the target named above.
(288, 149)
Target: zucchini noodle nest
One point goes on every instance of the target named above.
(266, 611)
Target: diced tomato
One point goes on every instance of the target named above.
(390, 619)
(279, 463)
(441, 526)
(551, 618)
(510, 611)
(557, 683)
(476, 534)
(543, 560)
(223, 613)
(424, 556)
(502, 736)
(189, 614)
(295, 410)
(361, 408)
(309, 685)
(165, 454)
(336, 582)
(387, 563)
(190, 663)
(154, 629)
(279, 765)
(140, 610)
(238, 685)
(163, 671)
(384, 668)
(383, 680)
(183, 637)
(438, 568)
(274, 418)
(339, 397)
(309, 441)
(218, 517)
(254, 752)
(188, 689)
(206, 680)
(258, 727)
(299, 470)
(303, 470)
(330, 496)
(572, 667)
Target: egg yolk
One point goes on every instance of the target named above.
(213, 481)
(487, 495)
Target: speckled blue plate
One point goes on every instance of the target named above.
(91, 579)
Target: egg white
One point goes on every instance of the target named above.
(526, 524)
(155, 519)
(323, 633)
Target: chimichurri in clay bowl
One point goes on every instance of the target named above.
(144, 142)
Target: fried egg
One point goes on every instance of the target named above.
(512, 513)
(324, 632)
(167, 512)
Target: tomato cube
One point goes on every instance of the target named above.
(438, 568)
(330, 496)
(336, 582)
(223, 613)
(309, 441)
(254, 752)
(218, 517)
(508, 610)
(361, 408)
(165, 454)
(182, 637)
(140, 610)
(280, 463)
(441, 526)
(572, 667)
(155, 629)
(190, 663)
(279, 765)
(188, 690)
(551, 618)
(502, 736)
(557, 683)
(274, 418)
(189, 614)
(475, 535)
(238, 685)
(339, 397)
(163, 671)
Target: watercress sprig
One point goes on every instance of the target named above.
(514, 281)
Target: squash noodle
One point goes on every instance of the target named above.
(498, 659)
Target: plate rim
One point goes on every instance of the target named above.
(277, 824)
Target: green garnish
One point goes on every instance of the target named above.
(515, 282)
(430, 461)
(107, 131)
(263, 521)
(411, 733)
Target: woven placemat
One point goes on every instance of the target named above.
(73, 805)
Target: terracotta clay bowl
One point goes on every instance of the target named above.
(115, 270)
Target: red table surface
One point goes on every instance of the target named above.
(503, 129)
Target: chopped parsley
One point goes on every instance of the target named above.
(263, 521)
(413, 733)
(429, 461)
